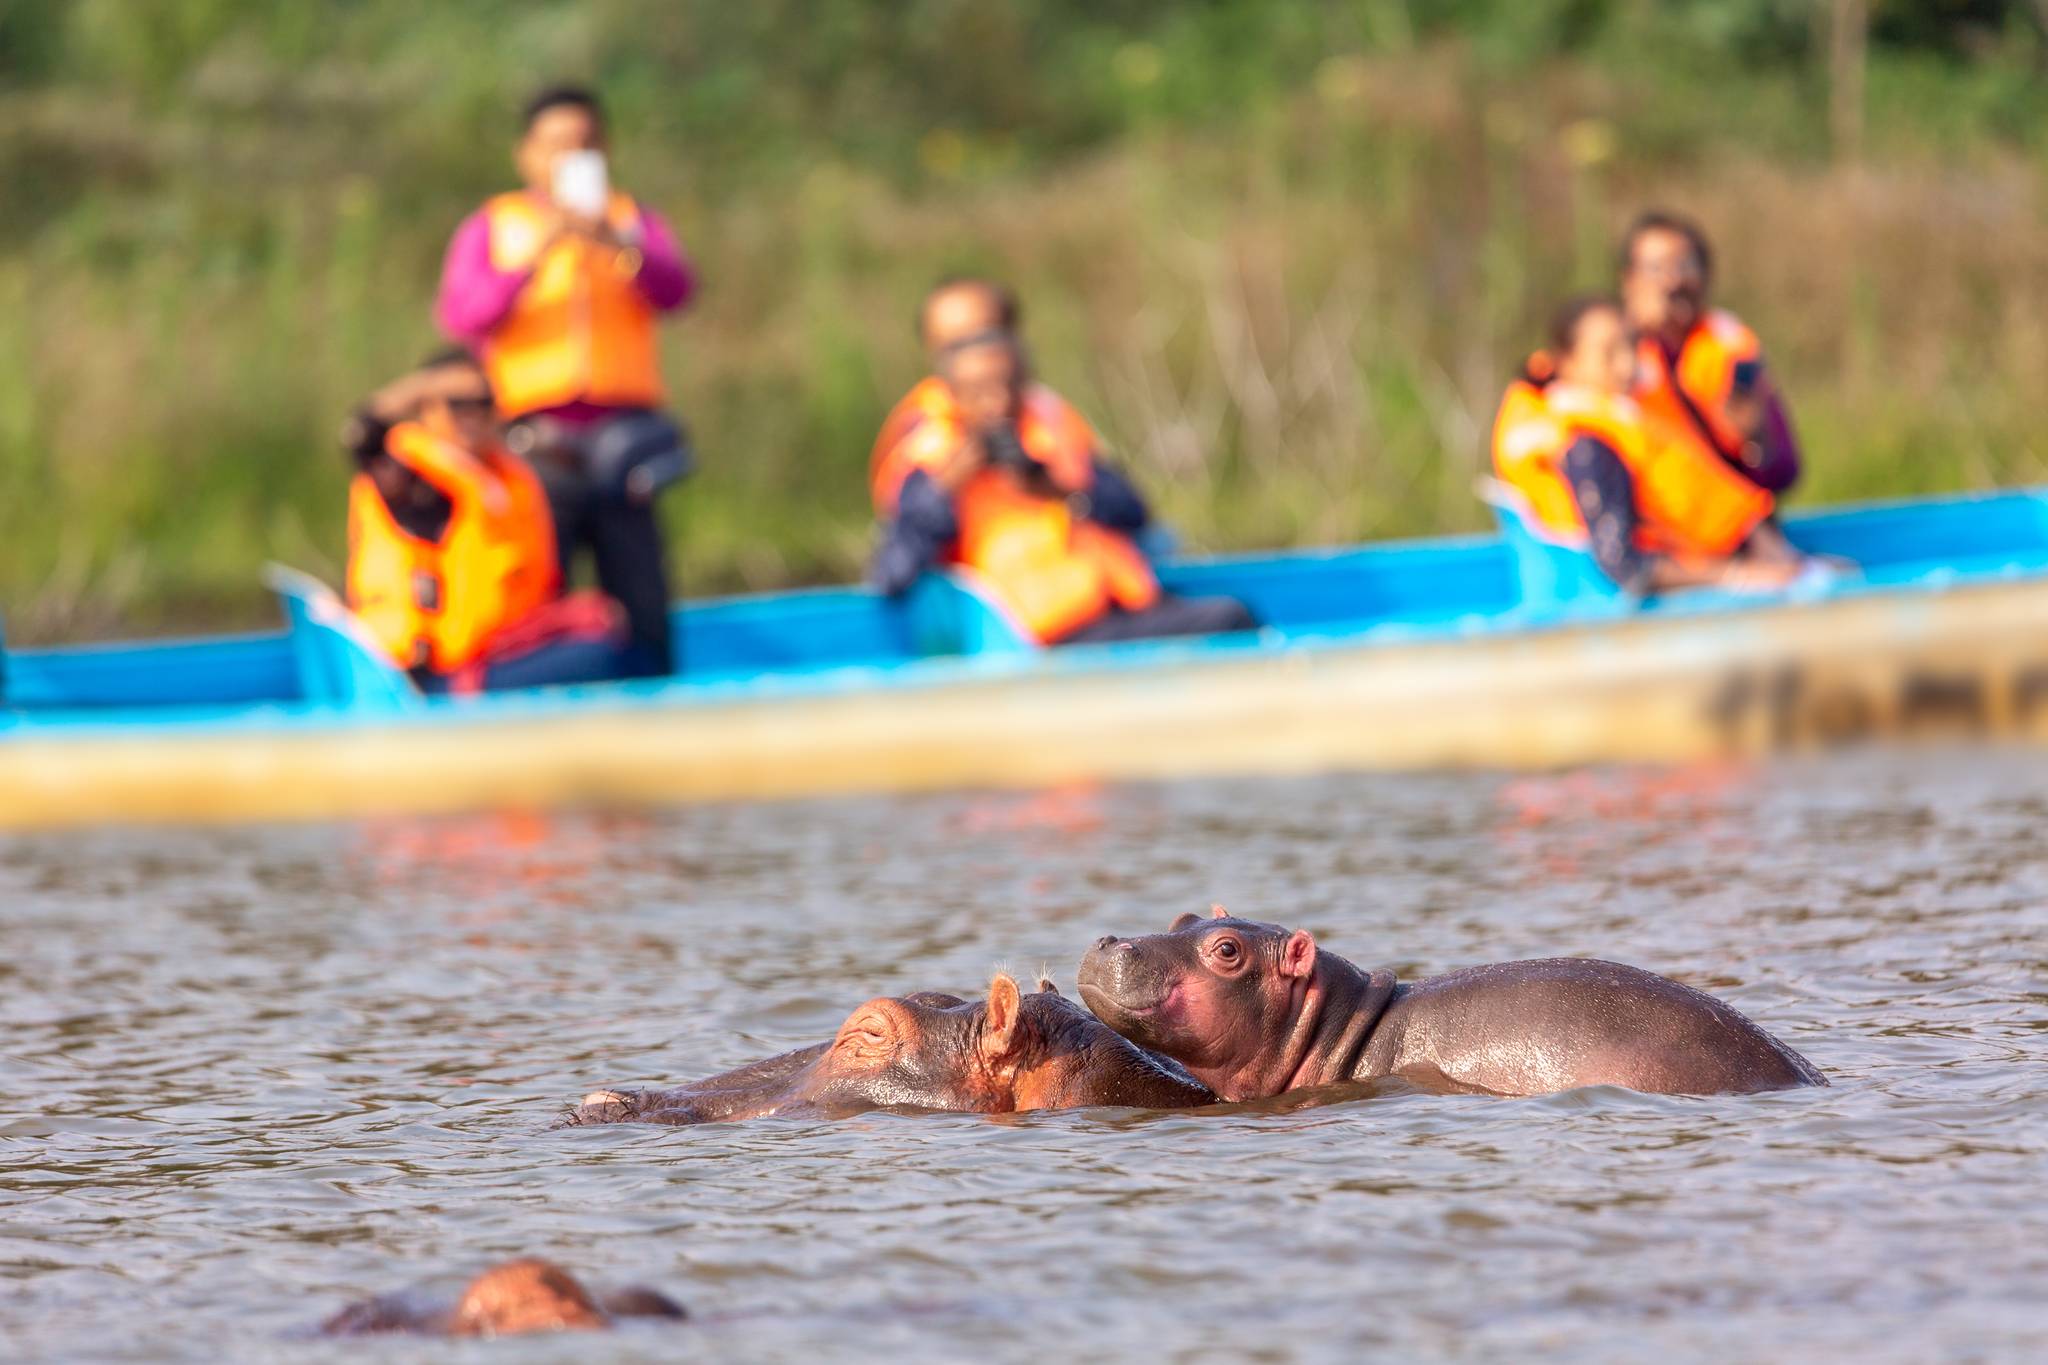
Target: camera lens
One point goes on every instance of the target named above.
(1005, 449)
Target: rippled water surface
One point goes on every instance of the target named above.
(247, 1075)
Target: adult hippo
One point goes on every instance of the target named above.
(1253, 1010)
(1007, 1053)
(526, 1295)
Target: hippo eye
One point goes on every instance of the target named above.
(1226, 950)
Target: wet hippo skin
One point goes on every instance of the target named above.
(1253, 1010)
(515, 1297)
(1007, 1053)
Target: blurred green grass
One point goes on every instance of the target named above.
(1284, 253)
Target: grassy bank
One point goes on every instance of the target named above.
(1284, 253)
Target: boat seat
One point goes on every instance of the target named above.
(951, 612)
(1547, 569)
(338, 663)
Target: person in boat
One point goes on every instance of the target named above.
(998, 485)
(1653, 504)
(451, 550)
(557, 287)
(1697, 365)
(955, 309)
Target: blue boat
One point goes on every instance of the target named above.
(1484, 651)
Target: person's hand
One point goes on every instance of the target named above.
(1745, 410)
(550, 227)
(399, 400)
(1751, 575)
(591, 229)
(962, 463)
(1767, 545)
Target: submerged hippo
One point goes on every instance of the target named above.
(1253, 1010)
(526, 1295)
(1007, 1053)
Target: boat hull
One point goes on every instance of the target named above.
(1967, 662)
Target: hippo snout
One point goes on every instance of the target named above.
(1118, 984)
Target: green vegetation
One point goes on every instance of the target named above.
(1284, 252)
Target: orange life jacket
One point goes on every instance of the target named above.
(1053, 572)
(581, 330)
(437, 603)
(1689, 503)
(1694, 391)
(922, 429)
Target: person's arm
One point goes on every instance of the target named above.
(916, 540)
(1756, 407)
(475, 295)
(666, 278)
(1777, 469)
(1114, 501)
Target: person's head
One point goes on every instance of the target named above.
(986, 374)
(454, 402)
(964, 306)
(1666, 267)
(561, 118)
(1589, 345)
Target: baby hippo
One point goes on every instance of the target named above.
(1254, 1010)
(1007, 1053)
(527, 1295)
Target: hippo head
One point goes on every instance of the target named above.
(1208, 993)
(1005, 1053)
(533, 1295)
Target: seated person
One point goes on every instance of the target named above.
(981, 490)
(1651, 502)
(1696, 365)
(451, 551)
(953, 311)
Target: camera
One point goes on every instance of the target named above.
(1005, 450)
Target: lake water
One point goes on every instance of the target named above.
(247, 1075)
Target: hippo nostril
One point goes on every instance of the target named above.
(1106, 941)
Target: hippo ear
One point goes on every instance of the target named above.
(1216, 911)
(1182, 921)
(1298, 954)
(999, 1027)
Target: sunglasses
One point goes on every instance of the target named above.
(474, 404)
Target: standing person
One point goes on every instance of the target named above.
(1696, 364)
(1647, 499)
(557, 288)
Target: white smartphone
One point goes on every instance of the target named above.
(581, 185)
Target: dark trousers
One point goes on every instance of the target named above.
(556, 664)
(1168, 616)
(632, 562)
